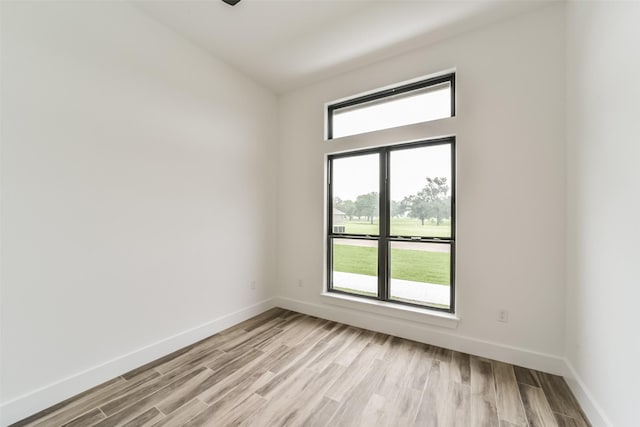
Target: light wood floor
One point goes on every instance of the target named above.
(285, 368)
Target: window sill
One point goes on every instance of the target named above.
(415, 314)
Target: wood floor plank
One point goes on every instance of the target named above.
(292, 329)
(242, 360)
(315, 337)
(211, 342)
(86, 420)
(526, 376)
(461, 369)
(373, 413)
(238, 380)
(457, 410)
(206, 359)
(274, 358)
(257, 321)
(91, 401)
(444, 402)
(508, 399)
(309, 387)
(137, 393)
(536, 407)
(442, 355)
(314, 394)
(230, 364)
(255, 337)
(222, 362)
(353, 374)
(428, 411)
(285, 358)
(223, 403)
(321, 414)
(349, 352)
(145, 419)
(281, 378)
(288, 314)
(402, 409)
(252, 418)
(350, 411)
(35, 418)
(484, 411)
(151, 365)
(188, 391)
(564, 421)
(394, 373)
(240, 413)
(141, 406)
(283, 368)
(380, 338)
(330, 325)
(336, 341)
(391, 349)
(195, 354)
(183, 414)
(559, 395)
(418, 372)
(311, 333)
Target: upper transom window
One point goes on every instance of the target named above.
(422, 101)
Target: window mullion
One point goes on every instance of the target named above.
(383, 245)
(329, 266)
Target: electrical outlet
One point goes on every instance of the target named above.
(253, 285)
(300, 283)
(503, 316)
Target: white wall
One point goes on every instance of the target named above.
(603, 274)
(137, 196)
(511, 187)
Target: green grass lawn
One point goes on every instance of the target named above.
(400, 227)
(417, 266)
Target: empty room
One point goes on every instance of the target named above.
(319, 213)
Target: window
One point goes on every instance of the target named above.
(391, 223)
(422, 101)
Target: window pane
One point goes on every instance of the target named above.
(421, 105)
(420, 191)
(356, 202)
(420, 273)
(355, 266)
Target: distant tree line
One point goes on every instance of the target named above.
(365, 205)
(433, 201)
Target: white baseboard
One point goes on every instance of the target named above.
(592, 410)
(422, 333)
(35, 401)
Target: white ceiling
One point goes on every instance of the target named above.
(286, 44)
